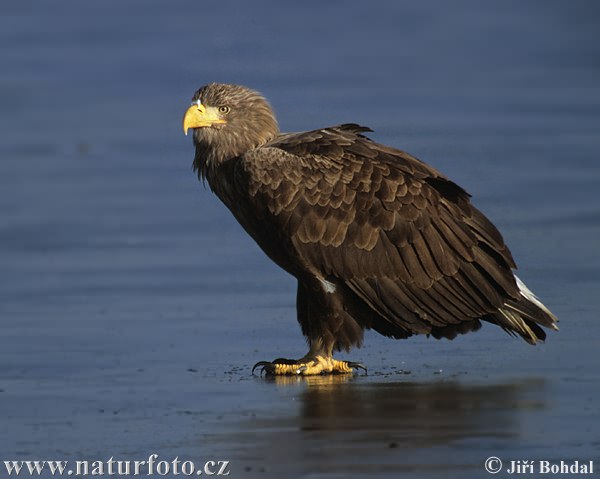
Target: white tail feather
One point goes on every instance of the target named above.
(528, 294)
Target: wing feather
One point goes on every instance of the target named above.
(396, 232)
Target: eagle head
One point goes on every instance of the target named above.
(228, 120)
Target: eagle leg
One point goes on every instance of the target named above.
(309, 365)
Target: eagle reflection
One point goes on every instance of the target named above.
(340, 423)
(413, 413)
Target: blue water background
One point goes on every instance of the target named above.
(132, 305)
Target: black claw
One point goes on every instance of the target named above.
(358, 366)
(262, 364)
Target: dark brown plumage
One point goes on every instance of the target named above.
(376, 238)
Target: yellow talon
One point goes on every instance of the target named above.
(307, 366)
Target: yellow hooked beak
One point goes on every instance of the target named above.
(199, 116)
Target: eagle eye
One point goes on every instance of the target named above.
(224, 109)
